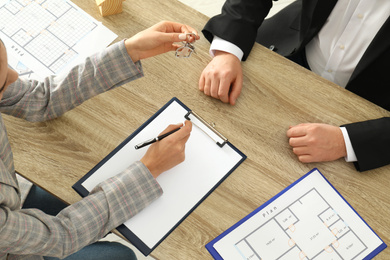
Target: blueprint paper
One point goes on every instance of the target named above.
(308, 221)
(49, 36)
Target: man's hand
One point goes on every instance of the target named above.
(169, 152)
(158, 39)
(317, 142)
(222, 78)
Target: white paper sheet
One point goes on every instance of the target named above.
(50, 36)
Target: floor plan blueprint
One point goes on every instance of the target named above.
(309, 220)
(296, 233)
(47, 35)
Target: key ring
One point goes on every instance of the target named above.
(187, 49)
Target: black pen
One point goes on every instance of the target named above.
(158, 138)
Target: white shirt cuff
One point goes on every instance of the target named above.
(219, 44)
(351, 156)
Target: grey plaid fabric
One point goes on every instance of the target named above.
(30, 233)
(24, 187)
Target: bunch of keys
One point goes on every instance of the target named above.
(188, 48)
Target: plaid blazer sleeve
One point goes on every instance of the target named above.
(30, 233)
(40, 101)
(111, 203)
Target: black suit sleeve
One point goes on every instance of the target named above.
(238, 23)
(371, 142)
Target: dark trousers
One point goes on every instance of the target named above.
(40, 199)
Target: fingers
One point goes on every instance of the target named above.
(183, 134)
(296, 131)
(175, 37)
(222, 78)
(306, 158)
(216, 86)
(207, 86)
(219, 89)
(202, 82)
(313, 142)
(171, 128)
(169, 152)
(304, 153)
(297, 135)
(176, 32)
(223, 90)
(303, 150)
(235, 91)
(298, 141)
(189, 34)
(183, 28)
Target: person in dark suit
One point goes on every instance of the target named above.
(344, 41)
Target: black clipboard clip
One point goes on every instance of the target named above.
(209, 130)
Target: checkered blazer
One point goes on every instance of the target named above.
(30, 233)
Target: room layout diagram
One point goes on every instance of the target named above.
(309, 228)
(46, 30)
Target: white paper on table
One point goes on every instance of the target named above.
(50, 36)
(205, 166)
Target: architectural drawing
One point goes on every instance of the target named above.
(48, 34)
(47, 30)
(295, 234)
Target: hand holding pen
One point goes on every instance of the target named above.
(158, 138)
(164, 154)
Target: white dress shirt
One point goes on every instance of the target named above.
(336, 50)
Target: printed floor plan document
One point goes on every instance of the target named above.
(49, 35)
(309, 220)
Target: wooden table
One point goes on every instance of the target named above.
(276, 94)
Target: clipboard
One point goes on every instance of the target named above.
(278, 226)
(210, 159)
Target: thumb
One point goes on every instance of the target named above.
(172, 37)
(171, 127)
(188, 37)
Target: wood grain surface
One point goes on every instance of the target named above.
(276, 94)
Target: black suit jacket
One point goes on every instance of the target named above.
(242, 23)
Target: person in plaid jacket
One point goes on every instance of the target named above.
(31, 233)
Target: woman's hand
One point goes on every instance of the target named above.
(169, 152)
(158, 39)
